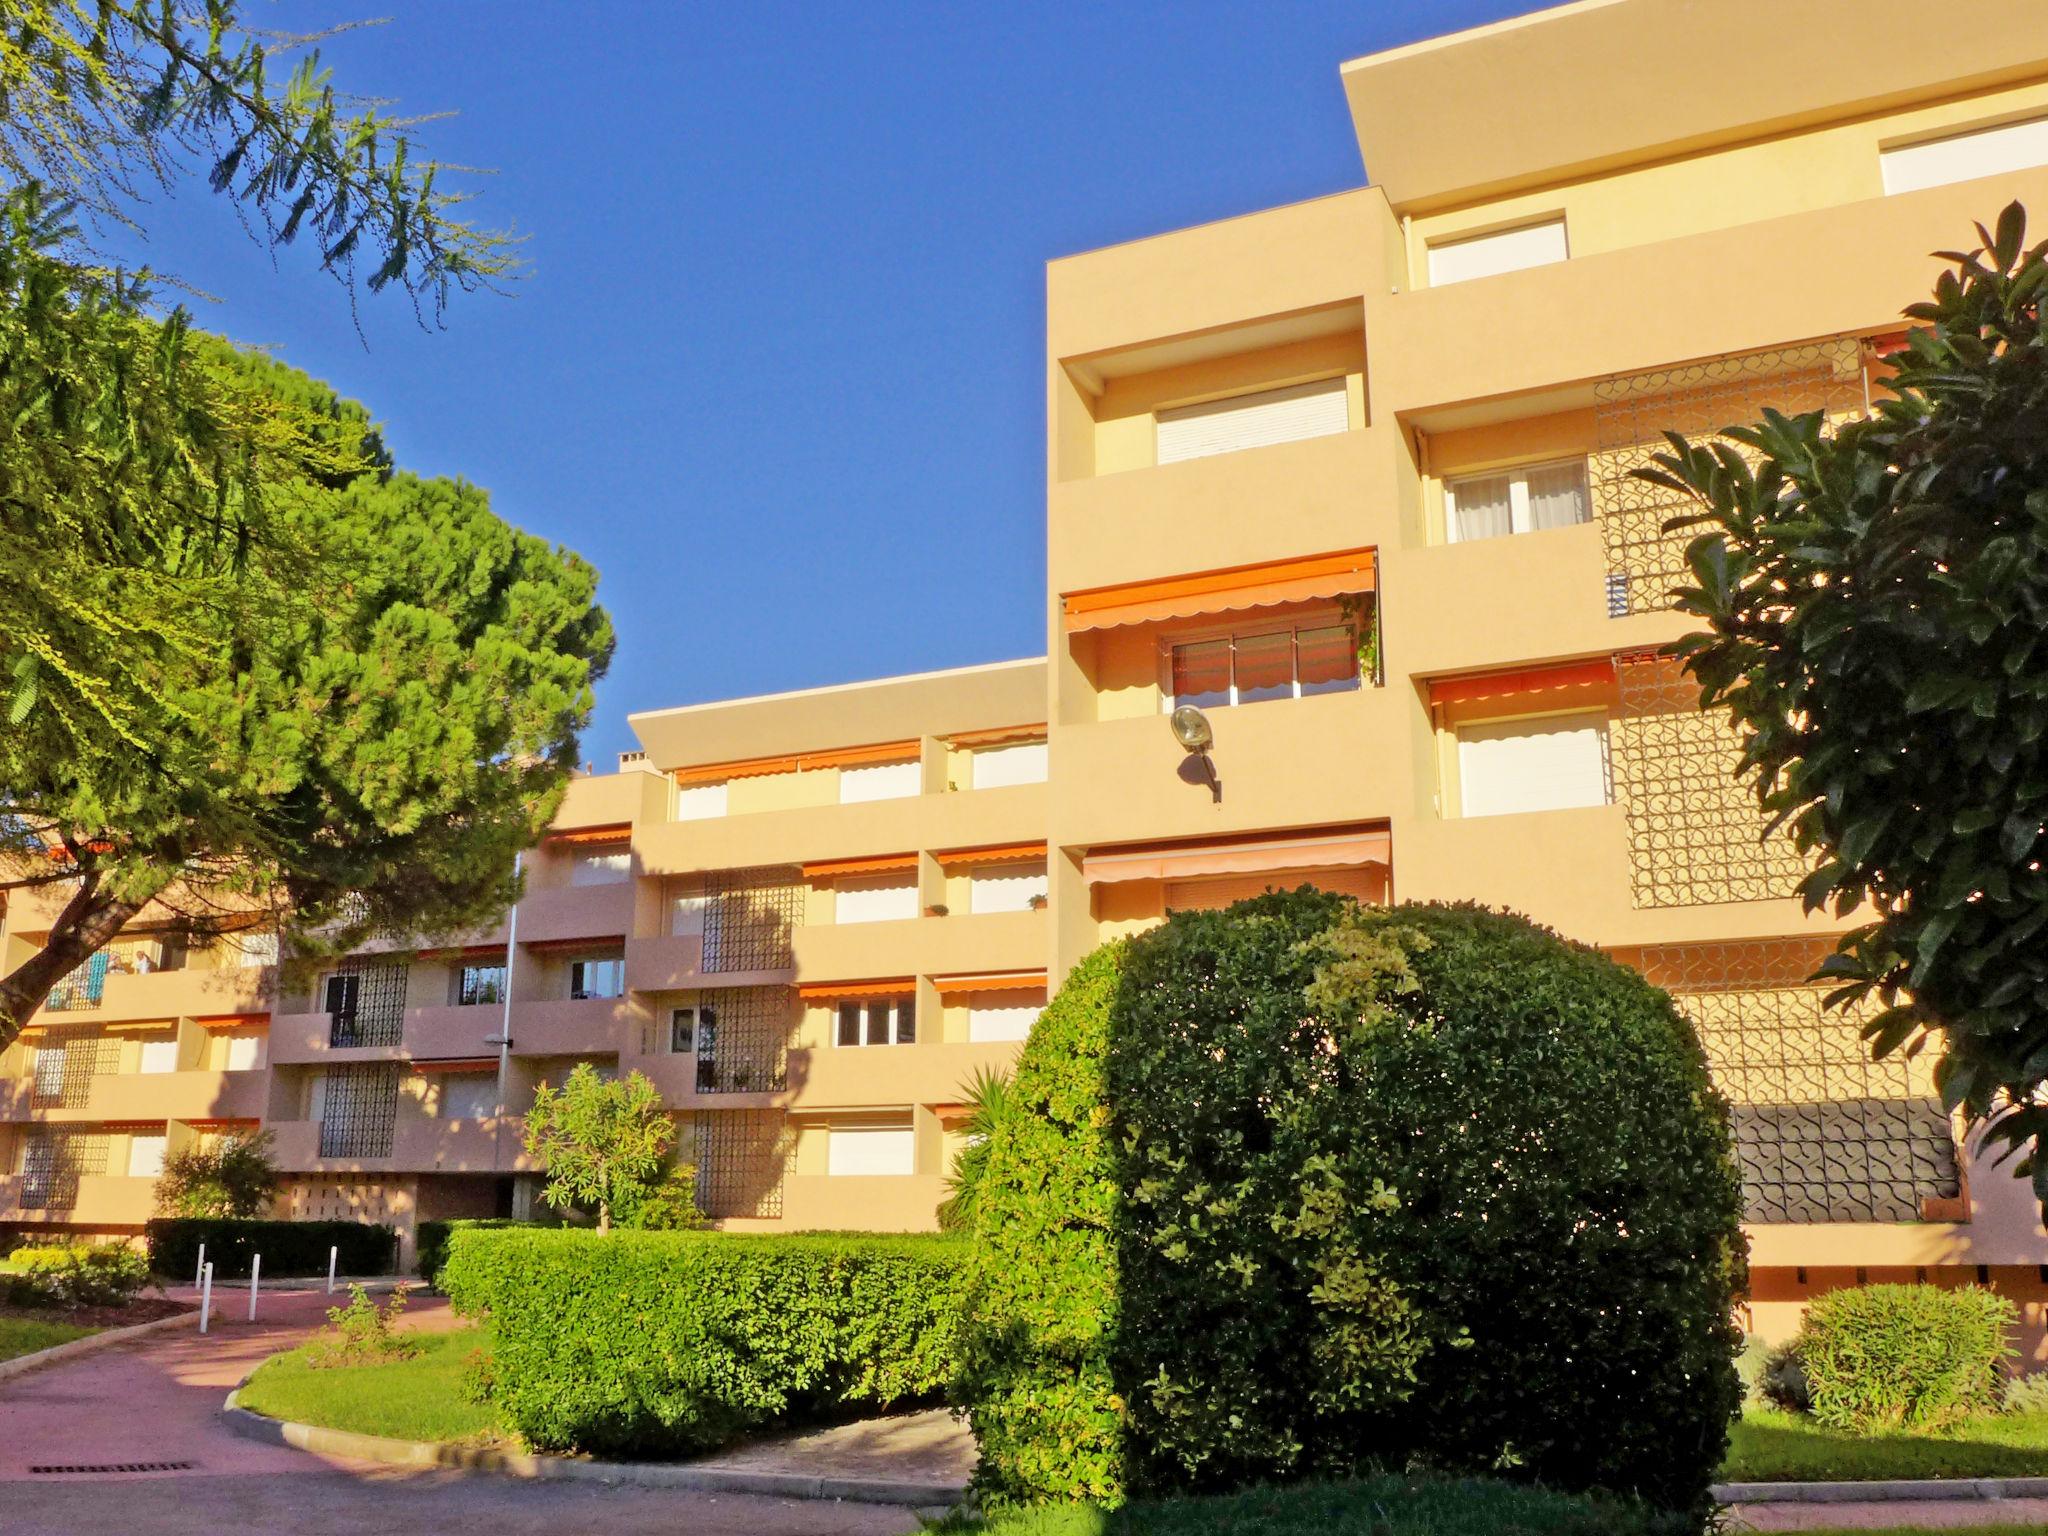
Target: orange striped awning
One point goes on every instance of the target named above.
(235, 1021)
(616, 832)
(989, 981)
(827, 991)
(838, 757)
(1239, 856)
(1500, 685)
(999, 736)
(1265, 585)
(1011, 853)
(604, 946)
(886, 864)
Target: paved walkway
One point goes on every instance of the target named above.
(1937, 1512)
(155, 1401)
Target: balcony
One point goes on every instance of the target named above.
(923, 946)
(816, 1202)
(299, 1038)
(876, 1075)
(131, 1097)
(442, 1033)
(103, 1200)
(597, 1026)
(576, 912)
(963, 818)
(419, 1144)
(190, 993)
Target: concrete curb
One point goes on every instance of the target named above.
(92, 1344)
(1888, 1491)
(432, 1453)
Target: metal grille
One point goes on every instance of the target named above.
(742, 1158)
(103, 1468)
(1695, 834)
(360, 1108)
(1823, 1132)
(743, 1039)
(82, 988)
(66, 1063)
(53, 1162)
(1631, 413)
(749, 918)
(366, 1004)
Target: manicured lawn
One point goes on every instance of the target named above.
(26, 1335)
(1769, 1446)
(421, 1398)
(1378, 1506)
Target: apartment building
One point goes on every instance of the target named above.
(1352, 478)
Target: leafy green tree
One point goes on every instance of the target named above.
(1876, 602)
(363, 723)
(232, 1177)
(603, 1141)
(667, 1202)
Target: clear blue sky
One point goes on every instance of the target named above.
(775, 365)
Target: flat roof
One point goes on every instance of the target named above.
(1576, 89)
(805, 693)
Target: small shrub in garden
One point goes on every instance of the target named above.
(660, 1343)
(2026, 1394)
(1782, 1383)
(107, 1275)
(361, 1332)
(1911, 1357)
(430, 1241)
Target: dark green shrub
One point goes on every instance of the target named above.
(1782, 1382)
(1905, 1357)
(105, 1275)
(288, 1247)
(430, 1241)
(1034, 1368)
(1327, 1188)
(665, 1343)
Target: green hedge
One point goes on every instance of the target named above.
(1911, 1357)
(288, 1247)
(430, 1242)
(660, 1344)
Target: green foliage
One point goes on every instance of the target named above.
(232, 1177)
(1042, 1306)
(28, 1335)
(104, 1275)
(2026, 1394)
(1873, 590)
(361, 1332)
(430, 1241)
(603, 1141)
(421, 1396)
(1299, 1188)
(1375, 1506)
(1918, 1358)
(988, 1099)
(665, 1203)
(663, 1344)
(288, 1247)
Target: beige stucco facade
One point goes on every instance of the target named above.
(1352, 475)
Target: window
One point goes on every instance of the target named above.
(469, 1096)
(882, 781)
(877, 899)
(707, 1048)
(49, 1073)
(1270, 664)
(1005, 887)
(686, 915)
(1252, 421)
(1506, 250)
(596, 978)
(1964, 156)
(1516, 501)
(250, 951)
(1532, 765)
(878, 1021)
(699, 802)
(1002, 1015)
(146, 1156)
(682, 1031)
(478, 985)
(600, 866)
(159, 1055)
(241, 1053)
(996, 767)
(855, 1151)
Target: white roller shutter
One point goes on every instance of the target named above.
(1003, 1015)
(1252, 421)
(866, 1150)
(1005, 887)
(699, 802)
(884, 781)
(1507, 250)
(1532, 765)
(1965, 156)
(244, 1053)
(146, 1156)
(159, 1056)
(876, 901)
(1000, 766)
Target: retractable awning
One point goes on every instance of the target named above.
(1269, 584)
(1264, 855)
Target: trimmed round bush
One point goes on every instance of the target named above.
(1918, 1358)
(1419, 1185)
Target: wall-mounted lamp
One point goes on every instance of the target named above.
(1192, 730)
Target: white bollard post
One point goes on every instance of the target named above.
(199, 1274)
(333, 1258)
(205, 1295)
(255, 1281)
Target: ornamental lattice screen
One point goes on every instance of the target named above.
(742, 1159)
(66, 1062)
(1695, 835)
(1631, 412)
(743, 1039)
(750, 918)
(366, 1003)
(1823, 1132)
(53, 1162)
(359, 1110)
